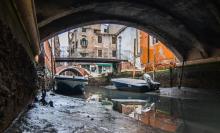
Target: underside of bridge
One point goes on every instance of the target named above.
(190, 28)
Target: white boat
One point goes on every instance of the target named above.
(136, 85)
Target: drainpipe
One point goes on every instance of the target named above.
(119, 47)
(52, 69)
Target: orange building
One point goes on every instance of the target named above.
(154, 53)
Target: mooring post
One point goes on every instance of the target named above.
(171, 77)
(181, 74)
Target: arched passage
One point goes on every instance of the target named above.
(74, 70)
(190, 29)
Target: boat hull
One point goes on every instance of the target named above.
(70, 86)
(133, 85)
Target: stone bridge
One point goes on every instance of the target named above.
(76, 70)
(190, 28)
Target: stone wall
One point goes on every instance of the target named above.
(205, 76)
(17, 77)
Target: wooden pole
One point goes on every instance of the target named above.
(134, 55)
(154, 63)
(148, 53)
(171, 76)
(181, 75)
(148, 50)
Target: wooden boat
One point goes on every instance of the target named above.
(70, 85)
(136, 85)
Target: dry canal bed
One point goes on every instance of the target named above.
(76, 115)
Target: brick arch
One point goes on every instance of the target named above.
(69, 68)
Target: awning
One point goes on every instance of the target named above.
(105, 64)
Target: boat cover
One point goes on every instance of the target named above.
(134, 82)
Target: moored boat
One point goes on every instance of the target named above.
(70, 85)
(136, 85)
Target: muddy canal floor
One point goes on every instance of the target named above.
(76, 115)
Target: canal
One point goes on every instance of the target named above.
(104, 109)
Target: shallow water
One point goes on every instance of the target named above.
(191, 110)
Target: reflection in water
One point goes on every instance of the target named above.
(149, 115)
(186, 110)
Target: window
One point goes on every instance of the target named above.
(73, 50)
(155, 40)
(99, 53)
(83, 29)
(106, 30)
(84, 43)
(99, 39)
(76, 44)
(84, 54)
(114, 53)
(114, 40)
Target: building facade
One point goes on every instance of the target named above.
(54, 44)
(128, 47)
(154, 54)
(94, 41)
(56, 47)
(142, 50)
(46, 65)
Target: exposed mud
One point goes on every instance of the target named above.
(76, 115)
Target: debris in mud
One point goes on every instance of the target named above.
(43, 102)
(30, 106)
(52, 94)
(43, 96)
(36, 99)
(51, 103)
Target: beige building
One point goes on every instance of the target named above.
(94, 41)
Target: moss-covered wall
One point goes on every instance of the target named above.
(205, 75)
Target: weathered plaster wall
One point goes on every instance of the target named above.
(17, 77)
